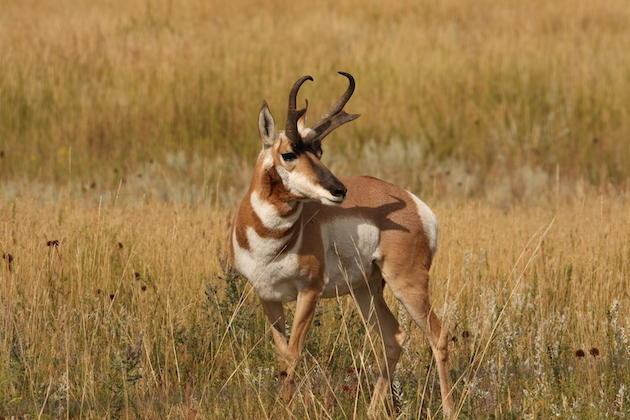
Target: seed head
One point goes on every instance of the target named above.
(8, 258)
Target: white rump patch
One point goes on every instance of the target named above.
(429, 222)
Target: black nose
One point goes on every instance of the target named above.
(339, 191)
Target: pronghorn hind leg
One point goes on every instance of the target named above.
(412, 290)
(375, 310)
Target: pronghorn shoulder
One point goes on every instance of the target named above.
(392, 203)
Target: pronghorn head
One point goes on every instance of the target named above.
(292, 156)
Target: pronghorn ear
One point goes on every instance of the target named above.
(301, 123)
(266, 126)
(304, 131)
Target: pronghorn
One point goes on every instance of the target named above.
(302, 234)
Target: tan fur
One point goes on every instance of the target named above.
(305, 258)
(389, 207)
(269, 186)
(404, 264)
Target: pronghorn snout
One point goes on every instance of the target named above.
(336, 189)
(334, 192)
(339, 191)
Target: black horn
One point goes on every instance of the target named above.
(293, 114)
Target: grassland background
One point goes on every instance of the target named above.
(128, 132)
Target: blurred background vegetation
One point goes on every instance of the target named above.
(92, 92)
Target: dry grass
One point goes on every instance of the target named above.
(128, 131)
(130, 315)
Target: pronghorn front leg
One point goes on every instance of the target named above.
(304, 312)
(275, 315)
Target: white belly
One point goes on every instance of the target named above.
(351, 246)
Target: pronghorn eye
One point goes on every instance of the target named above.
(288, 157)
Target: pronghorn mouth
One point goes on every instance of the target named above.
(327, 200)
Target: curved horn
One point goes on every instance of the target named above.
(338, 106)
(336, 116)
(293, 115)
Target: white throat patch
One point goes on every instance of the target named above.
(268, 213)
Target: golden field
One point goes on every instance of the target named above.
(128, 134)
(130, 315)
